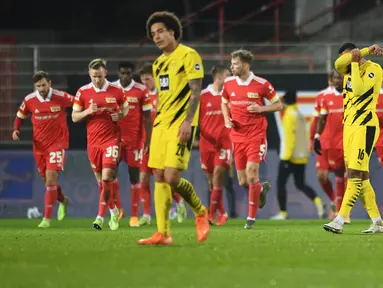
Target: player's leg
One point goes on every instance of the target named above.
(299, 174)
(181, 208)
(336, 161)
(145, 198)
(135, 189)
(230, 196)
(322, 166)
(207, 165)
(217, 194)
(284, 171)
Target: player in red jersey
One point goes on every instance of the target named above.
(50, 138)
(215, 143)
(379, 113)
(330, 127)
(245, 93)
(132, 132)
(146, 75)
(102, 104)
(321, 162)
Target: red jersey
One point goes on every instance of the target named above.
(132, 126)
(153, 99)
(379, 113)
(48, 118)
(332, 106)
(101, 130)
(240, 94)
(213, 133)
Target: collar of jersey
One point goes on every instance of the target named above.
(246, 82)
(41, 98)
(103, 89)
(213, 92)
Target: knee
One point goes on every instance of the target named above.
(218, 176)
(51, 178)
(144, 178)
(243, 182)
(159, 175)
(322, 177)
(108, 175)
(299, 184)
(172, 178)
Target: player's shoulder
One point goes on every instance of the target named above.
(206, 91)
(59, 93)
(139, 86)
(259, 80)
(85, 87)
(230, 79)
(187, 49)
(115, 88)
(325, 91)
(30, 96)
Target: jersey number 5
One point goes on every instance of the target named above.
(262, 150)
(112, 151)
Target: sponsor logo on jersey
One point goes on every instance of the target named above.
(252, 95)
(164, 82)
(110, 100)
(55, 108)
(132, 99)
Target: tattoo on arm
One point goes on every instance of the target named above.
(195, 87)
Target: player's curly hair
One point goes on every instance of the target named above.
(97, 64)
(146, 69)
(169, 19)
(40, 75)
(346, 46)
(243, 55)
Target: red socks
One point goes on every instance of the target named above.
(340, 189)
(327, 188)
(116, 194)
(215, 201)
(60, 195)
(177, 197)
(50, 200)
(135, 198)
(106, 198)
(254, 194)
(145, 199)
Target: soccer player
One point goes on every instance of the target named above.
(146, 76)
(102, 104)
(321, 163)
(215, 143)
(379, 113)
(50, 138)
(294, 157)
(330, 127)
(132, 127)
(178, 73)
(362, 83)
(245, 93)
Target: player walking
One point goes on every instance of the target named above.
(245, 93)
(215, 143)
(50, 138)
(146, 75)
(102, 104)
(178, 73)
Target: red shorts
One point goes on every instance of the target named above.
(52, 159)
(331, 159)
(253, 151)
(104, 157)
(132, 154)
(144, 166)
(379, 151)
(211, 159)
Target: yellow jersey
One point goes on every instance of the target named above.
(294, 142)
(172, 74)
(361, 89)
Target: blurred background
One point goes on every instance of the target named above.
(294, 43)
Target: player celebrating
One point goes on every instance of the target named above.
(330, 127)
(146, 75)
(178, 73)
(245, 93)
(362, 83)
(379, 113)
(50, 138)
(215, 144)
(321, 162)
(102, 105)
(132, 131)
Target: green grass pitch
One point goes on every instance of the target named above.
(274, 254)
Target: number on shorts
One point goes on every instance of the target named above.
(225, 154)
(361, 154)
(112, 151)
(181, 150)
(262, 150)
(56, 157)
(138, 154)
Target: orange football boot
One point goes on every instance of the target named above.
(157, 239)
(202, 225)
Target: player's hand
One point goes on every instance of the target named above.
(311, 146)
(355, 55)
(146, 146)
(185, 131)
(255, 108)
(92, 108)
(229, 123)
(317, 146)
(115, 116)
(15, 135)
(375, 50)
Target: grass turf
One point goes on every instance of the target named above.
(274, 254)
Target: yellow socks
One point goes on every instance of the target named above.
(186, 190)
(354, 188)
(162, 203)
(367, 196)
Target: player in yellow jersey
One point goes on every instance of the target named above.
(361, 87)
(178, 73)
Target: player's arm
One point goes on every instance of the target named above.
(344, 60)
(271, 95)
(226, 109)
(320, 127)
(147, 111)
(361, 85)
(21, 114)
(289, 139)
(68, 100)
(78, 112)
(195, 87)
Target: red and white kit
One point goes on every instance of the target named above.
(50, 129)
(104, 137)
(215, 142)
(132, 126)
(379, 112)
(240, 94)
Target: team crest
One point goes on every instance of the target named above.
(110, 100)
(55, 108)
(252, 95)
